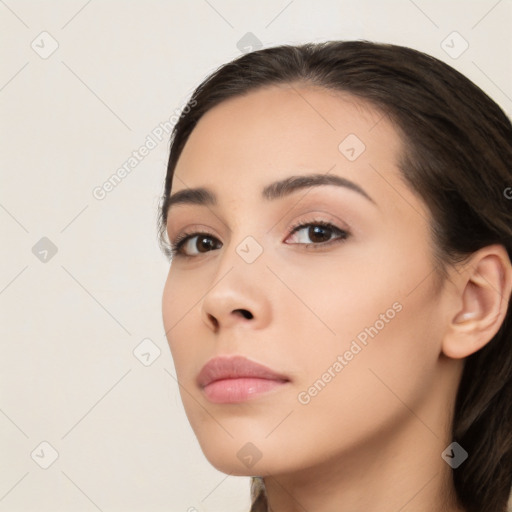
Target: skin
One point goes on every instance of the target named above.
(371, 439)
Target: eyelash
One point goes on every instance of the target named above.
(342, 236)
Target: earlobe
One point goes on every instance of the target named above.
(483, 289)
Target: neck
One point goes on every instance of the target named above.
(413, 479)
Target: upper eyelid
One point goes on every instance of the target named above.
(330, 218)
(188, 235)
(292, 229)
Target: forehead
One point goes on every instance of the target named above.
(271, 133)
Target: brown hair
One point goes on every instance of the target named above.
(458, 159)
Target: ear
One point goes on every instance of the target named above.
(483, 287)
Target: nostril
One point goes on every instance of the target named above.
(214, 321)
(244, 313)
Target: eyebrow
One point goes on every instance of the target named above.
(277, 190)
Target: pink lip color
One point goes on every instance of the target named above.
(237, 379)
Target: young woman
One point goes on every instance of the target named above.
(339, 219)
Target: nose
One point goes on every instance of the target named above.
(239, 297)
(231, 319)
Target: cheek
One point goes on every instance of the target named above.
(389, 342)
(179, 303)
(175, 291)
(388, 336)
(370, 397)
(180, 297)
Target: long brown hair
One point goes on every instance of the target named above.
(458, 159)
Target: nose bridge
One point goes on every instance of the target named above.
(245, 248)
(237, 291)
(241, 263)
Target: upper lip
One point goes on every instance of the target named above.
(232, 367)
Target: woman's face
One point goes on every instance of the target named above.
(348, 316)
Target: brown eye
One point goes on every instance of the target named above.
(190, 245)
(204, 244)
(317, 233)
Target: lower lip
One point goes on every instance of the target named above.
(227, 391)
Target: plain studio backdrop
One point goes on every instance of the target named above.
(90, 413)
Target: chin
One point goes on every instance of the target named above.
(239, 457)
(230, 464)
(235, 456)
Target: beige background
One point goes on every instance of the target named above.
(71, 321)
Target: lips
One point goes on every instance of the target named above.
(235, 379)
